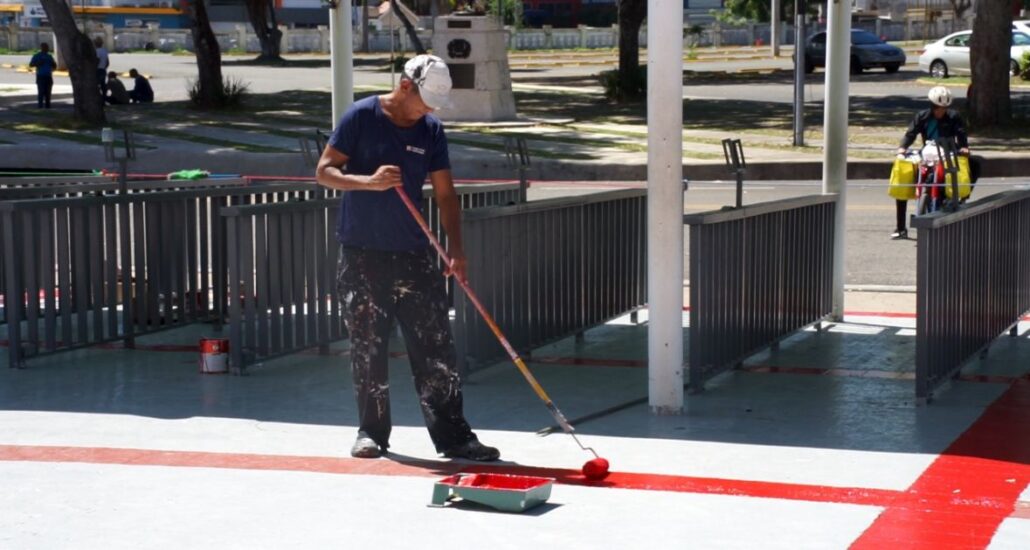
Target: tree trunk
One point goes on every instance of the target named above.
(210, 91)
(409, 27)
(631, 16)
(364, 26)
(81, 56)
(262, 18)
(989, 59)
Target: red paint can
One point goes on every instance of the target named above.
(214, 355)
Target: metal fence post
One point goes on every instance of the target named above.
(517, 153)
(733, 150)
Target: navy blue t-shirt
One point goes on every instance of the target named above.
(378, 220)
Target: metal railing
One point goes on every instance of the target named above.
(45, 181)
(757, 274)
(108, 186)
(83, 186)
(95, 269)
(548, 269)
(973, 283)
(282, 260)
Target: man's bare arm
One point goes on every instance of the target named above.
(450, 216)
(330, 173)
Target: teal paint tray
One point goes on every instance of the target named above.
(507, 493)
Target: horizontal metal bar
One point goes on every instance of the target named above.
(33, 204)
(552, 204)
(752, 210)
(991, 202)
(52, 180)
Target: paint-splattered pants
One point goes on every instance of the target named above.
(376, 288)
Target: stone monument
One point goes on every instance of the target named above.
(475, 49)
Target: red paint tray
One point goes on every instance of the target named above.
(508, 493)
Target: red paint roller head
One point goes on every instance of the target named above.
(596, 469)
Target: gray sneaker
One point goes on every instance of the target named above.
(473, 450)
(365, 447)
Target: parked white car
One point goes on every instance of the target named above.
(950, 55)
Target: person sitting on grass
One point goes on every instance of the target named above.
(142, 93)
(116, 90)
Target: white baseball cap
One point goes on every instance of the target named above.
(432, 77)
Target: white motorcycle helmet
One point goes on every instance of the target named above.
(940, 96)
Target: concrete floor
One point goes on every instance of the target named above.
(816, 445)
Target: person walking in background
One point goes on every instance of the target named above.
(117, 95)
(45, 66)
(387, 271)
(103, 62)
(141, 92)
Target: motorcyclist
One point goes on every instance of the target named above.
(938, 123)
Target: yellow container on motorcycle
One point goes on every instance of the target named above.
(903, 180)
(965, 186)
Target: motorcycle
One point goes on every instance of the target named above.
(930, 177)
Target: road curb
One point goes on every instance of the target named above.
(468, 164)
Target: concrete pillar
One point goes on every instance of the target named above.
(776, 28)
(582, 36)
(615, 35)
(108, 30)
(341, 58)
(548, 37)
(284, 41)
(835, 132)
(55, 50)
(323, 39)
(716, 34)
(665, 207)
(241, 37)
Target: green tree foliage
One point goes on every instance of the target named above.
(758, 10)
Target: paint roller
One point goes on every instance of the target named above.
(594, 469)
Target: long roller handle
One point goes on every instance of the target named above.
(515, 358)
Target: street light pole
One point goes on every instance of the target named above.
(835, 134)
(799, 73)
(341, 56)
(665, 207)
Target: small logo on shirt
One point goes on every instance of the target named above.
(413, 149)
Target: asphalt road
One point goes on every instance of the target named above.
(172, 73)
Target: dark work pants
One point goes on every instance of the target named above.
(901, 209)
(375, 289)
(44, 85)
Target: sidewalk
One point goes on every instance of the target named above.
(816, 445)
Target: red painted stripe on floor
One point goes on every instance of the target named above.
(962, 498)
(426, 468)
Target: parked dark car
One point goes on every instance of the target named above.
(867, 51)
